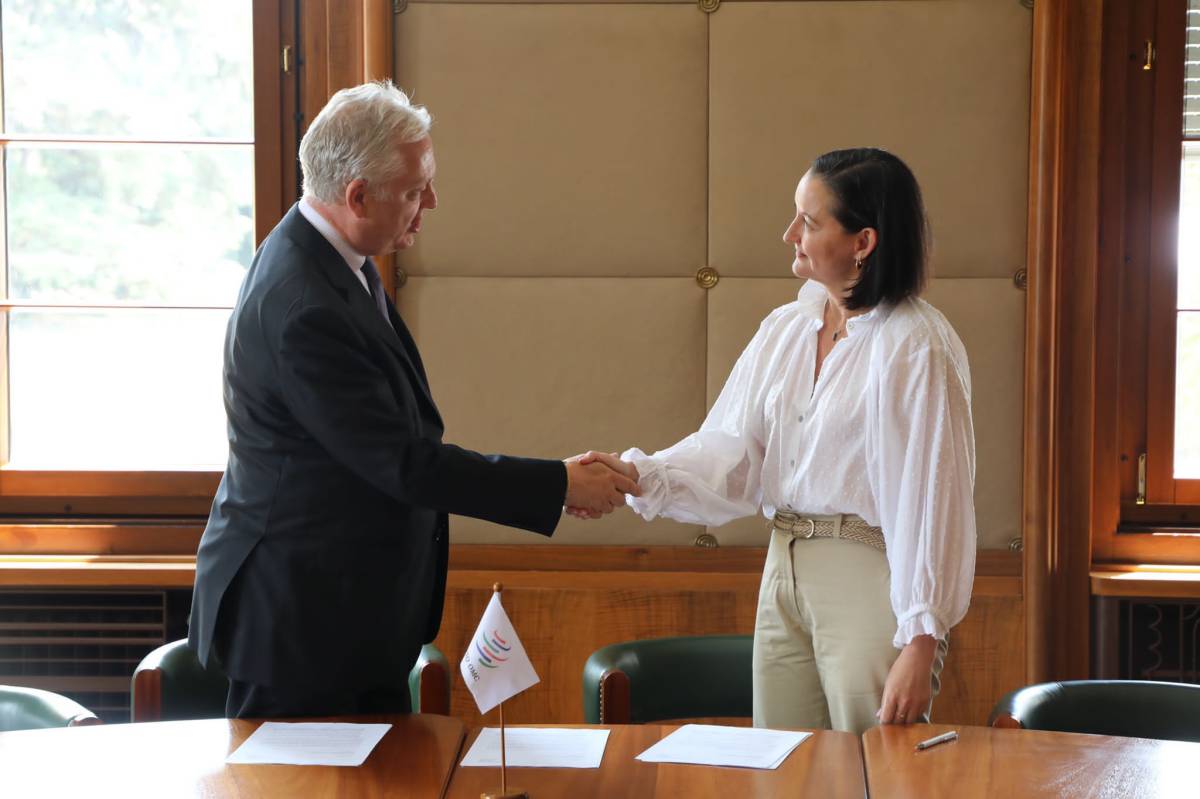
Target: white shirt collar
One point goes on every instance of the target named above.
(812, 298)
(354, 260)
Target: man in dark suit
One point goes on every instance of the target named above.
(322, 569)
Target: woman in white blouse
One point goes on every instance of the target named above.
(847, 420)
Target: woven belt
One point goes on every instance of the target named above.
(849, 527)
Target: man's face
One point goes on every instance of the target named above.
(393, 215)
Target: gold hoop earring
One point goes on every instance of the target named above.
(858, 264)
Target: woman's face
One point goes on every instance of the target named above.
(825, 251)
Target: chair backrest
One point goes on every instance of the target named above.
(171, 685)
(669, 678)
(33, 709)
(1130, 708)
(429, 682)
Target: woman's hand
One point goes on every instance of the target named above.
(909, 685)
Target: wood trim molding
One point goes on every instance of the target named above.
(471, 566)
(273, 181)
(1064, 218)
(86, 538)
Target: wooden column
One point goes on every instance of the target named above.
(379, 63)
(1060, 379)
(346, 42)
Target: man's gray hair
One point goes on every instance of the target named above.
(355, 136)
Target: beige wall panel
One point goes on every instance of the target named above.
(989, 315)
(571, 139)
(736, 307)
(942, 83)
(550, 367)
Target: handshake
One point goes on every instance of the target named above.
(597, 483)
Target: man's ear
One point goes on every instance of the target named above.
(356, 197)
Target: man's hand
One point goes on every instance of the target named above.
(613, 461)
(597, 484)
(909, 687)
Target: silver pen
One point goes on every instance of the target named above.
(938, 739)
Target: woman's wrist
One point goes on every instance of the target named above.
(923, 646)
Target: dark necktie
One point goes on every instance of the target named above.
(375, 283)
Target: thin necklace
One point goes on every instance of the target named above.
(838, 331)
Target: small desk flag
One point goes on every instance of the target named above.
(495, 666)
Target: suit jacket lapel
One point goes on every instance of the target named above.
(402, 341)
(360, 303)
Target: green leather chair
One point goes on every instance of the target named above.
(171, 685)
(33, 709)
(1129, 708)
(669, 678)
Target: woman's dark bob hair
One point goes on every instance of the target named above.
(875, 189)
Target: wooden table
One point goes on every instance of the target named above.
(827, 765)
(1026, 764)
(187, 759)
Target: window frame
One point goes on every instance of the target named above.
(1153, 519)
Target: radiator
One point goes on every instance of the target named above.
(1146, 639)
(83, 644)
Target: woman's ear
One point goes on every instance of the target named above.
(865, 242)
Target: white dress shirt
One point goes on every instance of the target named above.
(885, 434)
(354, 260)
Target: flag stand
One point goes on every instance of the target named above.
(504, 792)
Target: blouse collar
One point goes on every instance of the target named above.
(812, 297)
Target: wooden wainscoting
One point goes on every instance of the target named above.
(566, 602)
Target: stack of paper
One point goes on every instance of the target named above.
(708, 745)
(539, 748)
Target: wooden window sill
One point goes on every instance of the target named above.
(1158, 582)
(97, 571)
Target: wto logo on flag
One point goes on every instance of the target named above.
(495, 665)
(491, 650)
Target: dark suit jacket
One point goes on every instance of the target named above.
(324, 558)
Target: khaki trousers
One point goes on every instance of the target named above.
(823, 635)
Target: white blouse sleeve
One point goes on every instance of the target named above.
(714, 475)
(924, 464)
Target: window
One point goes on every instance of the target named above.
(129, 215)
(1187, 363)
(1151, 96)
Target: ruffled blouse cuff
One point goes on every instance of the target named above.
(652, 479)
(918, 620)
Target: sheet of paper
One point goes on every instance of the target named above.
(309, 744)
(709, 745)
(539, 748)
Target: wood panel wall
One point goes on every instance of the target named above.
(566, 602)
